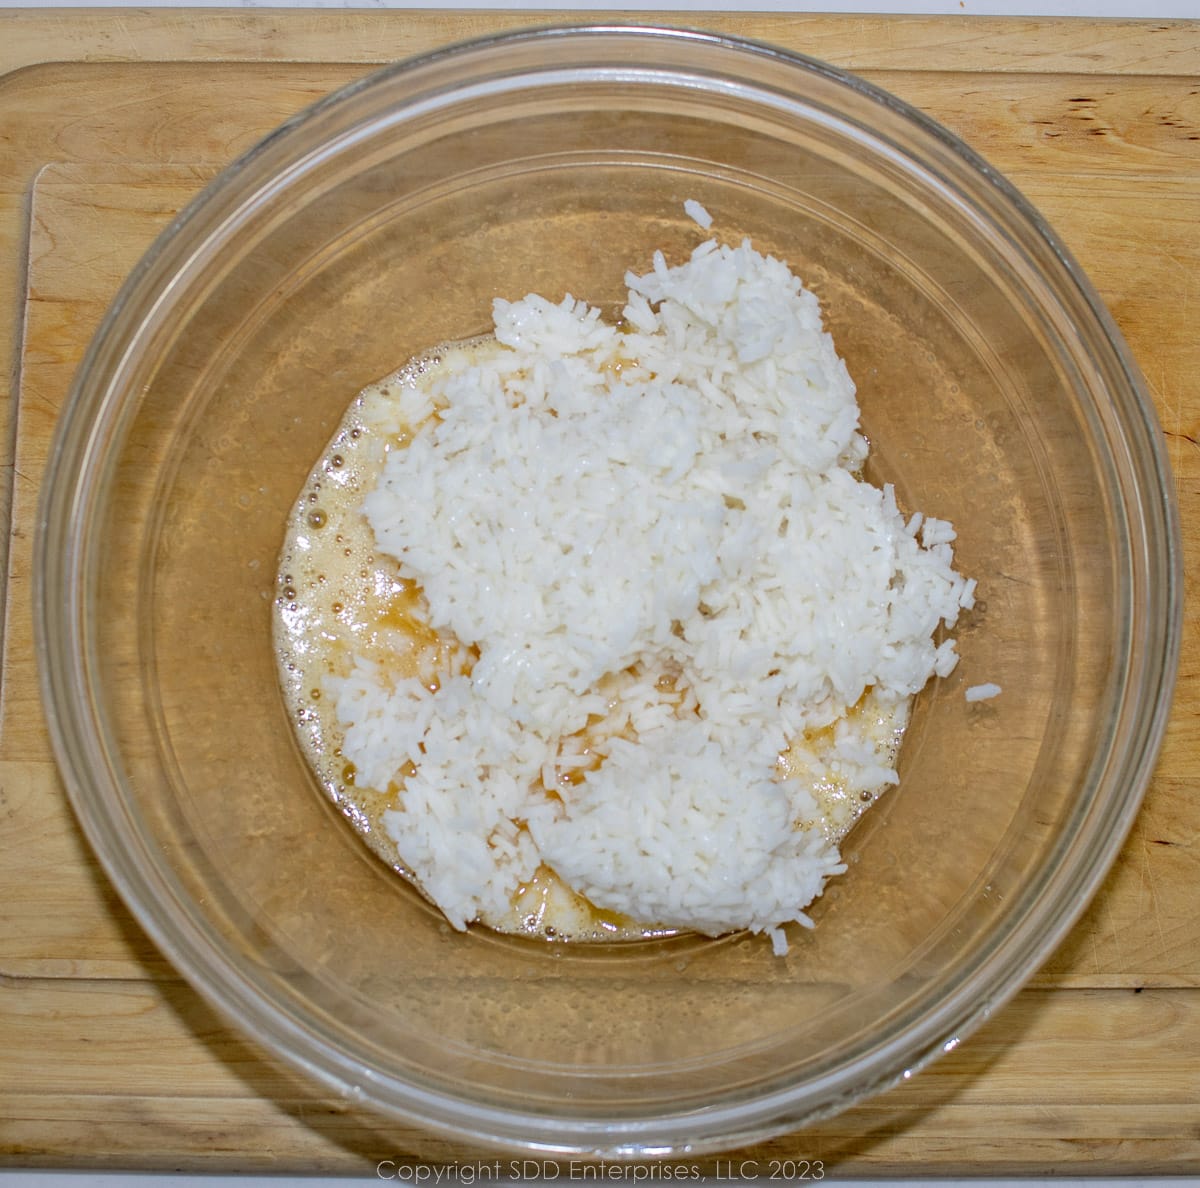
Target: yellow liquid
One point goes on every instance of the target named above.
(338, 597)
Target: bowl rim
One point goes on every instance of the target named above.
(65, 660)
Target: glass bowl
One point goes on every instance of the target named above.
(995, 391)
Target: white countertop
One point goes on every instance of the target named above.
(1149, 9)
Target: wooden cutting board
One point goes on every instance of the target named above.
(109, 121)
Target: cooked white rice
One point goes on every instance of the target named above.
(656, 540)
(982, 692)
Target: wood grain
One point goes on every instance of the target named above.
(1026, 45)
(111, 121)
(1100, 1079)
